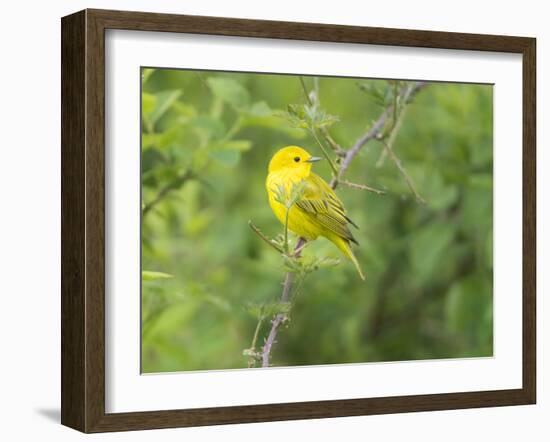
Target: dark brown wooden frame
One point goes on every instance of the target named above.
(83, 216)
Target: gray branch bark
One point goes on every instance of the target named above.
(280, 317)
(374, 132)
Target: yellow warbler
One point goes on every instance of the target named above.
(317, 210)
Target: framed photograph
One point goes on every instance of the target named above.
(267, 221)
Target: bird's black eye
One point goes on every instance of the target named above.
(297, 159)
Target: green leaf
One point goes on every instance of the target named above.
(319, 118)
(289, 197)
(292, 264)
(297, 192)
(275, 308)
(307, 117)
(148, 275)
(229, 91)
(311, 263)
(269, 309)
(255, 310)
(295, 115)
(325, 262)
(296, 110)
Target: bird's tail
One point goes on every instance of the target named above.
(345, 247)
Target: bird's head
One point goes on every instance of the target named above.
(293, 158)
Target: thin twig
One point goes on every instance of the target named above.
(324, 131)
(392, 135)
(374, 132)
(299, 249)
(304, 89)
(258, 232)
(253, 355)
(275, 324)
(257, 331)
(338, 150)
(280, 317)
(402, 170)
(325, 153)
(362, 187)
(371, 134)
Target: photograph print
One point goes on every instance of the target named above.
(291, 220)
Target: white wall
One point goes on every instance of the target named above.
(29, 219)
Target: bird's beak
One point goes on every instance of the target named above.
(313, 159)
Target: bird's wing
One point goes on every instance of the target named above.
(320, 203)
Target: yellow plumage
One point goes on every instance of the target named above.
(318, 212)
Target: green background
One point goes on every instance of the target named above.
(207, 138)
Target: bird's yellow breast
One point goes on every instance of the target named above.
(298, 222)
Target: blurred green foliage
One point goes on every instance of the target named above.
(207, 138)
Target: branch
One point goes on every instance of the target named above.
(402, 170)
(258, 232)
(251, 352)
(375, 131)
(338, 150)
(362, 187)
(393, 134)
(304, 88)
(298, 249)
(325, 153)
(281, 317)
